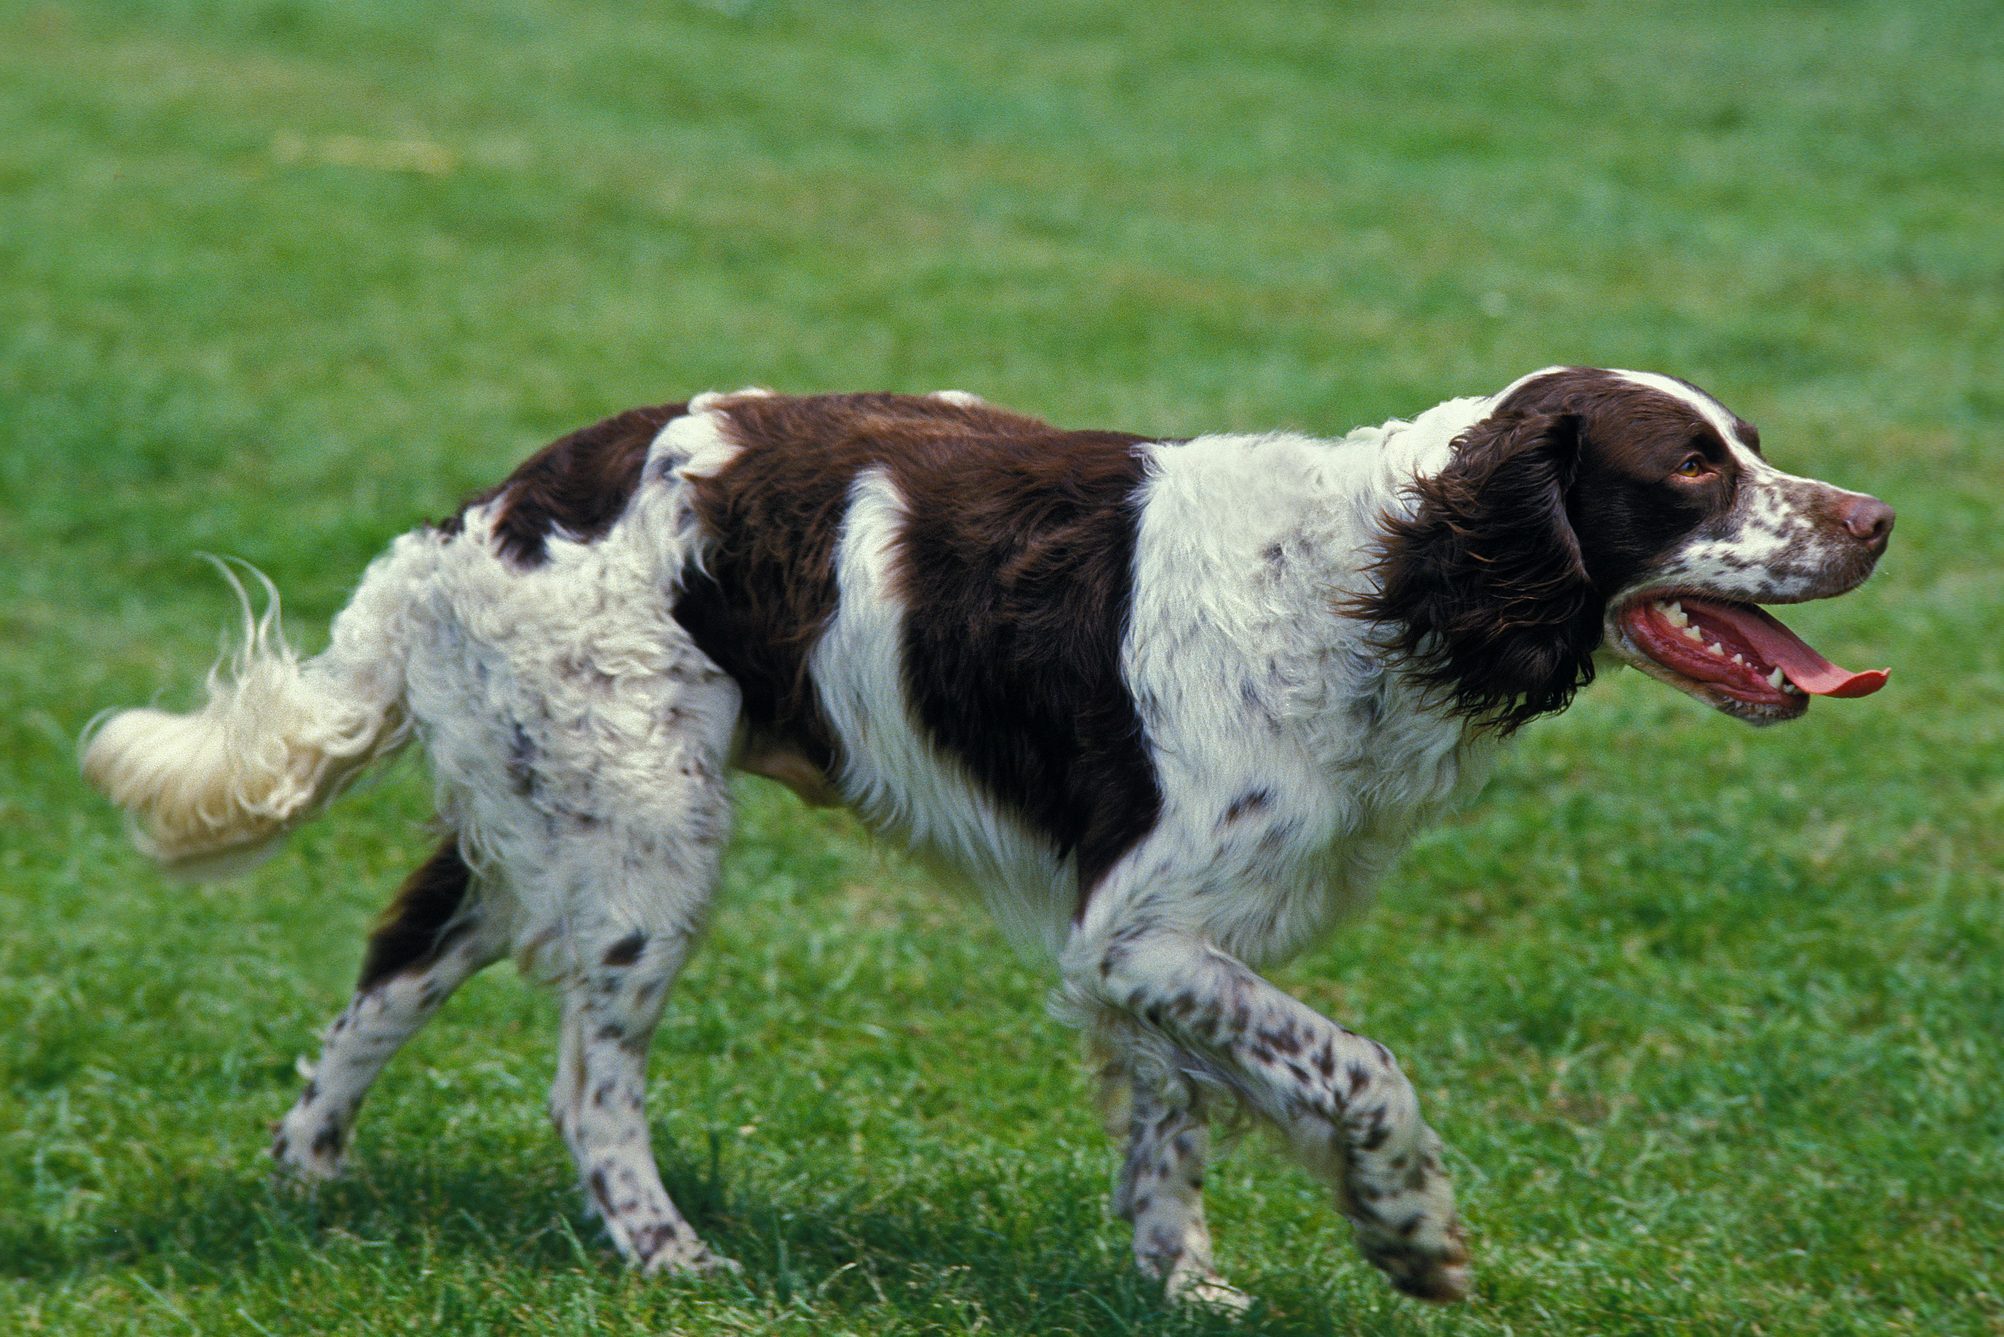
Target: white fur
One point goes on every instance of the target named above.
(1248, 683)
(575, 671)
(211, 790)
(1708, 408)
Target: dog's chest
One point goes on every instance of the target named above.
(1341, 795)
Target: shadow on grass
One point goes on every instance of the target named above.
(970, 1241)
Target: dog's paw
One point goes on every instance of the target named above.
(312, 1158)
(696, 1260)
(1406, 1222)
(1207, 1290)
(1434, 1269)
(713, 1263)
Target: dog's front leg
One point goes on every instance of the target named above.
(1161, 1187)
(1347, 1111)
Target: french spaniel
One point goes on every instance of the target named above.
(1171, 705)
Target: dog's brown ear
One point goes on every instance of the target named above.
(1482, 587)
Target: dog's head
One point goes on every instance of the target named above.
(1621, 510)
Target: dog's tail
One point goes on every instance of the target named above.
(211, 792)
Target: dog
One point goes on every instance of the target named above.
(1172, 705)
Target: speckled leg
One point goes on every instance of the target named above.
(386, 1011)
(1161, 1191)
(611, 1006)
(1346, 1109)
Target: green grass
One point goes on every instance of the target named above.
(1710, 1018)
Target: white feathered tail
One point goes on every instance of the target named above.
(210, 792)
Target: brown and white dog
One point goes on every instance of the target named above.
(1172, 705)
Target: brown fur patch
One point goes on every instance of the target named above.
(575, 487)
(418, 924)
(1017, 568)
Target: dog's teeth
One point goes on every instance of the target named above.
(1738, 660)
(1716, 649)
(1694, 633)
(1676, 614)
(1776, 679)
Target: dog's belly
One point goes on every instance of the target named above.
(776, 760)
(911, 797)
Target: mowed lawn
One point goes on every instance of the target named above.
(1710, 1018)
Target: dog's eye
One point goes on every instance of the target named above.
(1694, 466)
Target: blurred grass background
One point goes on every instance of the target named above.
(1710, 1018)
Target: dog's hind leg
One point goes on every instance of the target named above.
(611, 1007)
(433, 937)
(635, 891)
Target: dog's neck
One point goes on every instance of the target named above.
(1421, 447)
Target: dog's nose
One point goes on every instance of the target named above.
(1870, 521)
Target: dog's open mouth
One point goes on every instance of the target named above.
(1734, 656)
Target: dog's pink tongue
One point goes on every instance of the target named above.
(1794, 656)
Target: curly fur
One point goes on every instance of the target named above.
(212, 790)
(1482, 586)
